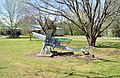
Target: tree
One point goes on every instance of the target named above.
(45, 20)
(2, 28)
(116, 28)
(10, 14)
(67, 27)
(90, 15)
(26, 23)
(70, 27)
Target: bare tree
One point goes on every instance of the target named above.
(10, 14)
(45, 20)
(26, 24)
(89, 15)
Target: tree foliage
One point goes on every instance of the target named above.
(116, 27)
(10, 14)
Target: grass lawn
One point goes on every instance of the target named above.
(18, 60)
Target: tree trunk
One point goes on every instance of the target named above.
(91, 41)
(30, 34)
(71, 32)
(30, 38)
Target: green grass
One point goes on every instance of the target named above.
(18, 60)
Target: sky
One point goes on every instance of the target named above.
(1, 1)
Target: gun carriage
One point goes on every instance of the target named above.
(51, 43)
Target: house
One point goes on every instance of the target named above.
(59, 31)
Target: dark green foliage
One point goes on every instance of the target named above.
(13, 33)
(2, 27)
(109, 45)
(116, 28)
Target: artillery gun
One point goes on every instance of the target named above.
(50, 43)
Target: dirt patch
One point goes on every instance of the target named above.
(72, 57)
(115, 52)
(98, 52)
(35, 55)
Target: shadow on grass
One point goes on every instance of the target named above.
(23, 37)
(89, 75)
(26, 37)
(55, 53)
(36, 40)
(3, 67)
(109, 45)
(105, 60)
